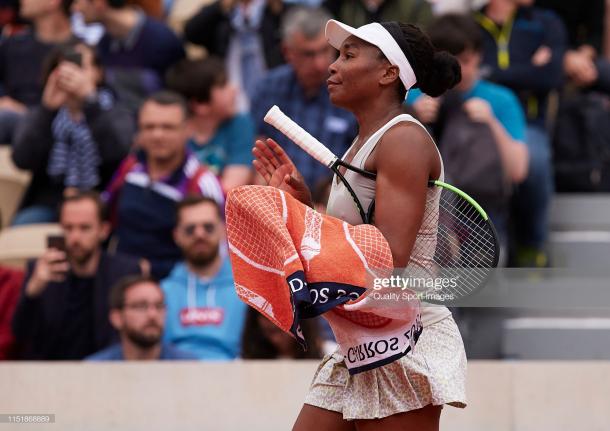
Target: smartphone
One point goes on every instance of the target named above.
(57, 242)
(74, 57)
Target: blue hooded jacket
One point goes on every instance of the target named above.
(204, 316)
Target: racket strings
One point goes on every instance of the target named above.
(470, 230)
(463, 210)
(465, 254)
(466, 248)
(463, 246)
(464, 257)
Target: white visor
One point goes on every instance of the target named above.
(375, 34)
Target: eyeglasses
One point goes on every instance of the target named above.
(144, 306)
(208, 227)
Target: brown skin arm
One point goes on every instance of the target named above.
(405, 159)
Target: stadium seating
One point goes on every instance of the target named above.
(13, 183)
(20, 243)
(580, 241)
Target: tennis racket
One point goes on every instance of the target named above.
(465, 247)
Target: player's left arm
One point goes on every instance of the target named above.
(405, 159)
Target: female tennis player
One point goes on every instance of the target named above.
(376, 66)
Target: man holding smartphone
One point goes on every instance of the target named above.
(62, 313)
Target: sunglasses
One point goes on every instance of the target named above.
(208, 227)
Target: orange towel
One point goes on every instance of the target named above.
(291, 262)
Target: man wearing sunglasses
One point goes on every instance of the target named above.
(204, 314)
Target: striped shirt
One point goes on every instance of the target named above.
(143, 210)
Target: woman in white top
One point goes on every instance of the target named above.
(376, 66)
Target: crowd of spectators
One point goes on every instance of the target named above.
(132, 145)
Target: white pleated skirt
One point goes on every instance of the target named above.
(435, 373)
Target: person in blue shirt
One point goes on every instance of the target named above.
(299, 90)
(204, 314)
(137, 312)
(220, 137)
(482, 101)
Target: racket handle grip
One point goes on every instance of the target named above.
(299, 136)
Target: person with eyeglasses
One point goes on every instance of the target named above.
(299, 89)
(137, 312)
(204, 314)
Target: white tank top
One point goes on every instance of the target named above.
(341, 205)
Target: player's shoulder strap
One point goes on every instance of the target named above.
(371, 143)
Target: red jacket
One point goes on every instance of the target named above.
(10, 286)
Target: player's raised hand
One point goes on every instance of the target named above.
(276, 168)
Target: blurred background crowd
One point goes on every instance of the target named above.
(124, 123)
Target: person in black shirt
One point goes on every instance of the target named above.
(245, 34)
(77, 328)
(136, 50)
(22, 58)
(63, 309)
(583, 62)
